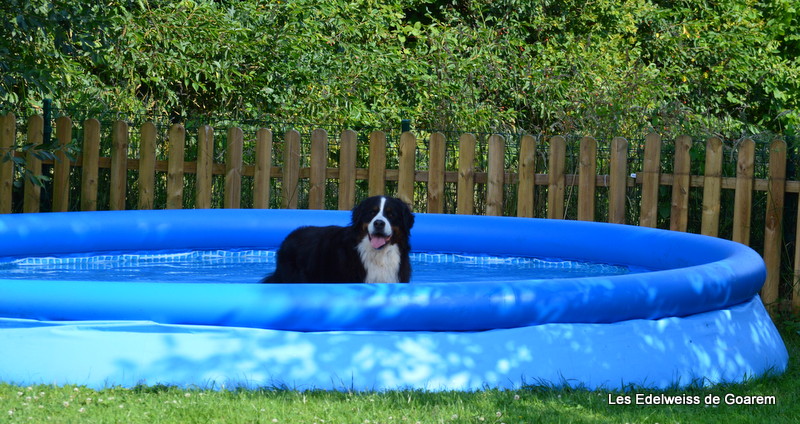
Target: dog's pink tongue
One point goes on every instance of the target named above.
(377, 242)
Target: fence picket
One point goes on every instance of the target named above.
(526, 196)
(679, 211)
(743, 197)
(89, 168)
(465, 194)
(712, 187)
(587, 177)
(348, 151)
(119, 165)
(319, 164)
(263, 168)
(377, 163)
(8, 132)
(496, 176)
(205, 162)
(291, 170)
(436, 156)
(651, 175)
(177, 146)
(233, 169)
(556, 178)
(62, 165)
(773, 229)
(407, 166)
(618, 180)
(147, 165)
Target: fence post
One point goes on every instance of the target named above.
(556, 178)
(465, 191)
(147, 165)
(618, 180)
(263, 170)
(496, 175)
(743, 198)
(348, 150)
(712, 187)
(89, 170)
(526, 191)
(8, 132)
(436, 169)
(119, 165)
(587, 178)
(679, 212)
(773, 225)
(177, 145)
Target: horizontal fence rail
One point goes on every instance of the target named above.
(662, 185)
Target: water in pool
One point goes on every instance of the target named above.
(249, 266)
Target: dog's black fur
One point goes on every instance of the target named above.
(372, 249)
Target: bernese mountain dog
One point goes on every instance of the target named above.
(372, 249)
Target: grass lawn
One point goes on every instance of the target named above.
(68, 404)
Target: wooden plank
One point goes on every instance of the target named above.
(712, 187)
(556, 178)
(617, 180)
(407, 165)
(319, 162)
(147, 165)
(465, 190)
(587, 175)
(8, 132)
(496, 174)
(377, 163)
(743, 197)
(526, 190)
(232, 199)
(176, 139)
(119, 165)
(348, 149)
(773, 225)
(89, 167)
(291, 170)
(679, 208)
(263, 168)
(61, 166)
(651, 169)
(436, 168)
(205, 160)
(33, 165)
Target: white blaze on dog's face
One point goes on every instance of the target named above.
(379, 230)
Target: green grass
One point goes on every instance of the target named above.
(40, 404)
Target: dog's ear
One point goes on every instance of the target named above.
(356, 215)
(408, 216)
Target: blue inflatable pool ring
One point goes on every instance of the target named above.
(695, 318)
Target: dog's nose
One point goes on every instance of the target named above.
(379, 225)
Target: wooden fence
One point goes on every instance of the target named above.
(495, 178)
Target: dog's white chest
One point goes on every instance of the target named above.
(382, 265)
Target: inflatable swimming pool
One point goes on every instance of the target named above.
(695, 319)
